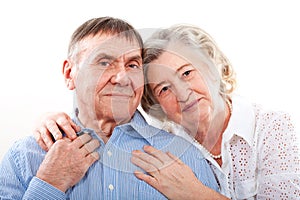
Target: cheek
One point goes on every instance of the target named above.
(90, 77)
(137, 80)
(170, 107)
(99, 80)
(90, 87)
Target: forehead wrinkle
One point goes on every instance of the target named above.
(107, 44)
(114, 50)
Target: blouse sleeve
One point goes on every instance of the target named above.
(279, 165)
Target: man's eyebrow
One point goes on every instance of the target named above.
(104, 56)
(135, 57)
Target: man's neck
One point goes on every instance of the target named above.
(103, 127)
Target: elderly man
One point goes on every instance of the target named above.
(104, 67)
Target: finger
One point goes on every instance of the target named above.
(148, 179)
(53, 129)
(82, 139)
(173, 157)
(67, 125)
(38, 138)
(46, 137)
(75, 127)
(91, 158)
(90, 146)
(148, 158)
(161, 156)
(68, 140)
(147, 167)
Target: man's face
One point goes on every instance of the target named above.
(109, 78)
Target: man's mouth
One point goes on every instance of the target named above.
(118, 95)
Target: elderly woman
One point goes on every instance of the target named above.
(253, 151)
(190, 81)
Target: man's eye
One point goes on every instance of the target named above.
(104, 64)
(134, 66)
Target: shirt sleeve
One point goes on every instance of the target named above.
(279, 167)
(40, 190)
(18, 182)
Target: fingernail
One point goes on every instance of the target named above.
(138, 152)
(134, 151)
(146, 146)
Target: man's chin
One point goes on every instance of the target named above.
(119, 108)
(122, 113)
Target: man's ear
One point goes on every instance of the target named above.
(69, 72)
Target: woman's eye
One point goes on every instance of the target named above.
(186, 73)
(163, 90)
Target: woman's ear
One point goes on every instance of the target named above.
(69, 72)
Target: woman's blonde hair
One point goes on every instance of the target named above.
(194, 37)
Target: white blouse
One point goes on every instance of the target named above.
(260, 154)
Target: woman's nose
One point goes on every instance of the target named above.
(183, 91)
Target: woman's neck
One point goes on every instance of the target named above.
(211, 138)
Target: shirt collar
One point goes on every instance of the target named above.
(141, 128)
(242, 121)
(137, 127)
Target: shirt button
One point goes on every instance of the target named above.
(110, 187)
(109, 153)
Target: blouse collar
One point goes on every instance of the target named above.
(242, 121)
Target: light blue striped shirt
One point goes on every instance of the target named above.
(109, 178)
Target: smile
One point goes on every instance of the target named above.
(119, 95)
(190, 106)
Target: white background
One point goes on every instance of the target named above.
(261, 39)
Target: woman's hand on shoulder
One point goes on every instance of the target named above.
(169, 175)
(53, 126)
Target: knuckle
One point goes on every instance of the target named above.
(44, 134)
(63, 119)
(150, 168)
(85, 137)
(88, 147)
(95, 143)
(61, 144)
(93, 157)
(50, 123)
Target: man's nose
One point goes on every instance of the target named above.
(120, 76)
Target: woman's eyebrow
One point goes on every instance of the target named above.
(159, 84)
(182, 66)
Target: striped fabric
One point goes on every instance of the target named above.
(109, 178)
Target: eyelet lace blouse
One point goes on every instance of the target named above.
(260, 153)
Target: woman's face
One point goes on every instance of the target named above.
(180, 89)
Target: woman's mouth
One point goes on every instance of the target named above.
(190, 105)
